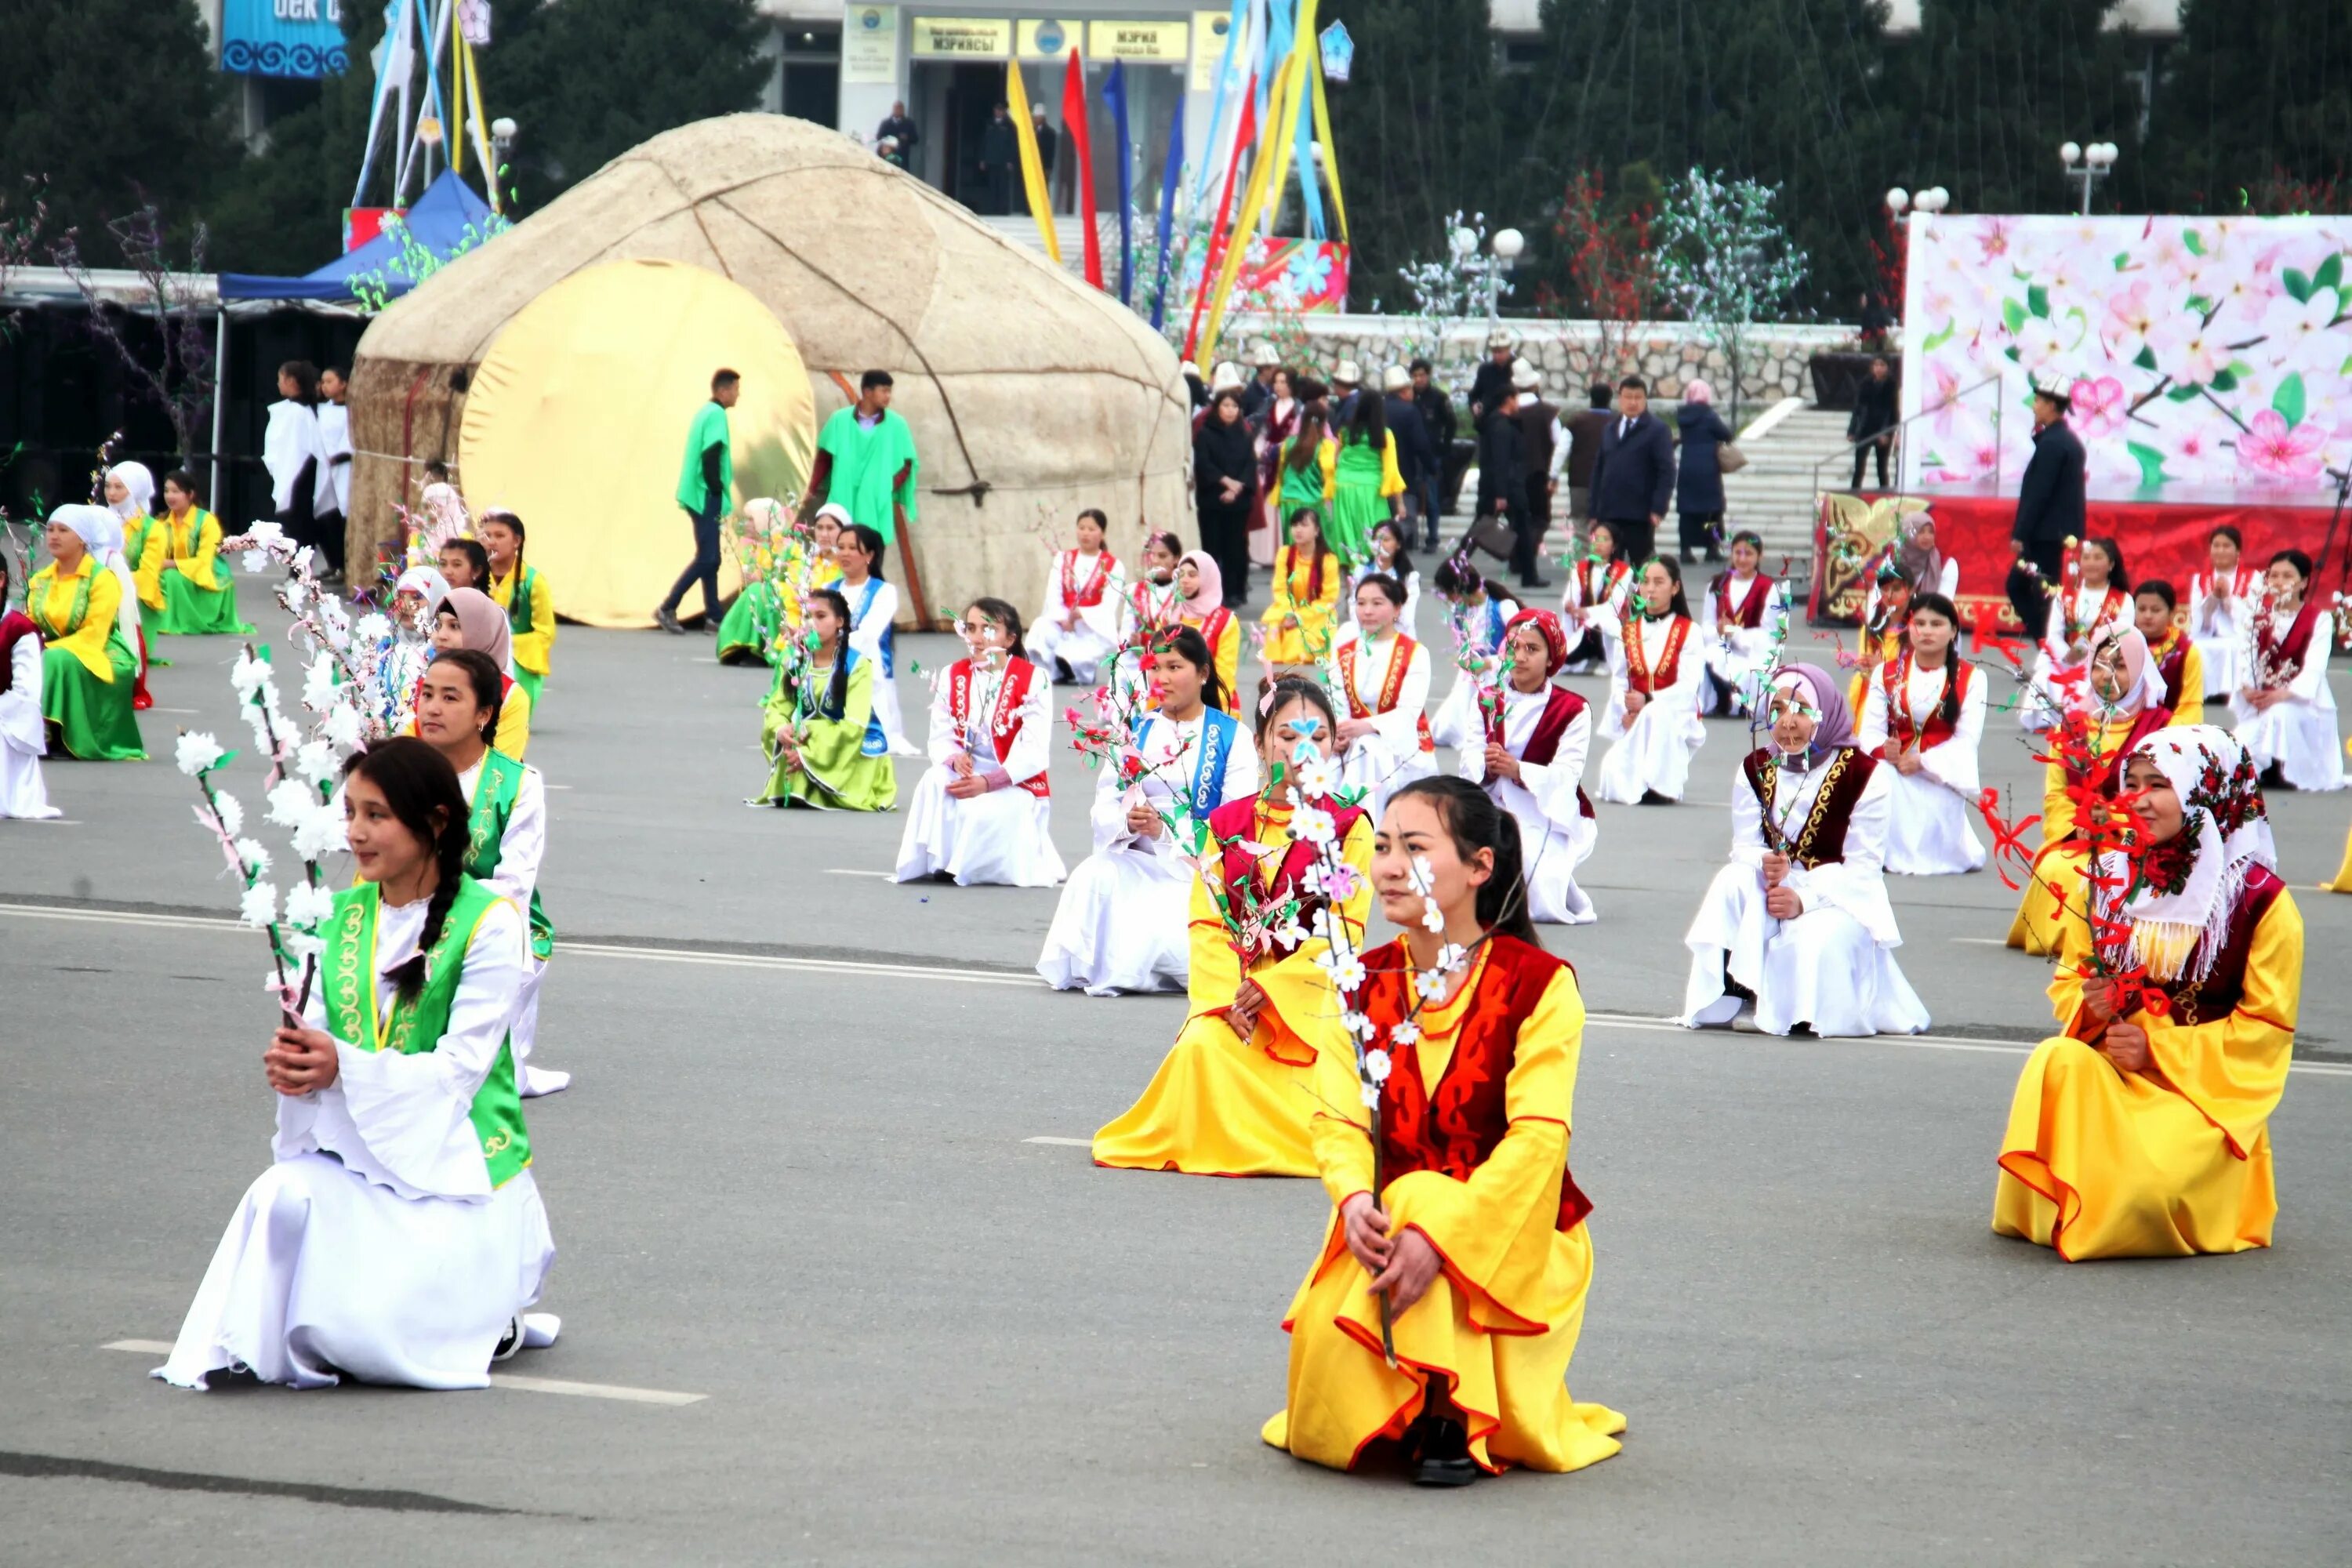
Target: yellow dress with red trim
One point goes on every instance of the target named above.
(1474, 1133)
(1221, 630)
(1218, 1107)
(2179, 665)
(1303, 618)
(2099, 1163)
(2055, 883)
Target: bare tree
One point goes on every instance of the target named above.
(21, 226)
(182, 383)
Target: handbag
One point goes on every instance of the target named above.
(1492, 534)
(1729, 458)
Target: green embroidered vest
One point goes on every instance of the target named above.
(494, 799)
(348, 978)
(518, 619)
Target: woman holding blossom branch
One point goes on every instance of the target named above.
(88, 669)
(1231, 1097)
(1458, 1233)
(1531, 764)
(818, 722)
(983, 813)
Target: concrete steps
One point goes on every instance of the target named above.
(1775, 493)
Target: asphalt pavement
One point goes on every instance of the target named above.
(827, 1298)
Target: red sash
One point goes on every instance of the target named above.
(1212, 627)
(2172, 660)
(12, 626)
(1612, 573)
(1139, 598)
(2278, 661)
(1821, 840)
(1091, 595)
(1004, 722)
(1237, 820)
(1750, 615)
(1639, 676)
(2109, 608)
(1895, 679)
(1391, 684)
(1455, 1125)
(2241, 583)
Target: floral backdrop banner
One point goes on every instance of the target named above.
(2209, 352)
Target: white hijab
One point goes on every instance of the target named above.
(2178, 930)
(101, 534)
(140, 483)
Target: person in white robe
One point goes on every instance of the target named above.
(984, 810)
(301, 487)
(1085, 617)
(1123, 922)
(1532, 765)
(399, 1235)
(1384, 680)
(1741, 621)
(873, 610)
(2222, 600)
(138, 488)
(1595, 578)
(1476, 612)
(1800, 920)
(23, 736)
(2284, 712)
(1923, 716)
(335, 435)
(2101, 598)
(1657, 666)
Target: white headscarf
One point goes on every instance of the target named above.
(2181, 923)
(838, 513)
(136, 480)
(101, 534)
(95, 524)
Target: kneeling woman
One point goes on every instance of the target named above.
(1800, 920)
(1233, 1097)
(819, 725)
(88, 669)
(199, 592)
(1454, 1198)
(984, 811)
(1656, 669)
(1924, 717)
(2145, 1133)
(1532, 765)
(399, 1236)
(1120, 925)
(1384, 680)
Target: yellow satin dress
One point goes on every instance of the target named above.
(2343, 883)
(1218, 1107)
(2056, 881)
(1304, 616)
(1500, 1321)
(2099, 1163)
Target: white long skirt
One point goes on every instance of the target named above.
(1001, 837)
(1550, 855)
(894, 722)
(323, 1274)
(1655, 754)
(1121, 925)
(1081, 646)
(1821, 970)
(1457, 721)
(23, 740)
(1928, 829)
(2300, 737)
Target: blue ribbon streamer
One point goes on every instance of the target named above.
(1170, 178)
(1115, 94)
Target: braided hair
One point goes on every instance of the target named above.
(836, 691)
(489, 680)
(510, 521)
(420, 788)
(1949, 705)
(1472, 820)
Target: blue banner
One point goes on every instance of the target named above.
(1115, 94)
(1169, 179)
(283, 38)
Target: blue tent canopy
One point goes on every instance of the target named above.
(448, 218)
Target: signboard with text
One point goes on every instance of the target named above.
(1157, 43)
(282, 38)
(870, 45)
(960, 38)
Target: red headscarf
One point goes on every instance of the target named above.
(1547, 624)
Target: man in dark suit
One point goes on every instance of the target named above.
(1502, 475)
(2050, 507)
(1437, 418)
(1540, 438)
(1000, 160)
(1634, 476)
(1494, 378)
(1416, 454)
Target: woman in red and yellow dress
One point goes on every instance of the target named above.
(1454, 1199)
(2177, 664)
(1233, 1095)
(1200, 604)
(2145, 1133)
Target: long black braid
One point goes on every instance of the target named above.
(420, 788)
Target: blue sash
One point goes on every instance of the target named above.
(1218, 730)
(874, 586)
(1493, 627)
(874, 744)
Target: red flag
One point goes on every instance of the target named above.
(1244, 136)
(1074, 126)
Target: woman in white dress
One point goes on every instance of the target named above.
(2222, 609)
(24, 736)
(1086, 604)
(873, 607)
(1800, 920)
(2078, 616)
(1923, 716)
(1391, 559)
(399, 1236)
(1532, 765)
(1123, 921)
(301, 482)
(1597, 579)
(983, 812)
(1739, 619)
(1477, 611)
(2284, 713)
(1384, 680)
(1656, 668)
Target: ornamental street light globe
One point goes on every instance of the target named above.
(1896, 200)
(1509, 243)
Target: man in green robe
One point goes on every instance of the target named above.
(866, 462)
(706, 478)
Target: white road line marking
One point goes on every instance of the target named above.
(995, 977)
(555, 786)
(514, 1381)
(1982, 941)
(886, 876)
(175, 710)
(1062, 1142)
(47, 821)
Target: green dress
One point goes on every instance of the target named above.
(1300, 488)
(1357, 506)
(146, 545)
(748, 633)
(845, 757)
(90, 716)
(200, 596)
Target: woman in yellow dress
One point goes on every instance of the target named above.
(1233, 1095)
(2117, 702)
(1458, 1204)
(199, 592)
(2140, 1131)
(87, 669)
(520, 590)
(1304, 616)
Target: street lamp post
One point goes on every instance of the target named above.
(2088, 165)
(502, 137)
(1507, 243)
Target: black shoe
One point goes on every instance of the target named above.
(1062, 674)
(667, 619)
(1652, 797)
(1441, 1454)
(1534, 582)
(1688, 559)
(508, 1342)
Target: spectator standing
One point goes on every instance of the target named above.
(293, 449)
(1437, 416)
(1266, 364)
(706, 478)
(1876, 320)
(2050, 508)
(1698, 491)
(1493, 381)
(1584, 450)
(1224, 479)
(1347, 382)
(899, 128)
(1049, 146)
(1633, 475)
(1416, 454)
(1543, 448)
(1000, 160)
(1502, 471)
(335, 442)
(1874, 418)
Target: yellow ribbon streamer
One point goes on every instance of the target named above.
(1032, 170)
(1253, 201)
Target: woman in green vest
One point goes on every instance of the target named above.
(399, 1237)
(89, 671)
(818, 723)
(520, 590)
(199, 592)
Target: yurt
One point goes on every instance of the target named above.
(557, 368)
